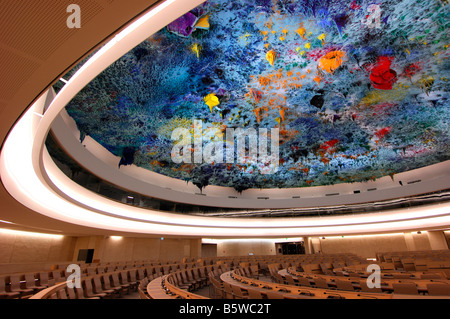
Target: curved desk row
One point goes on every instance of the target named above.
(386, 284)
(289, 291)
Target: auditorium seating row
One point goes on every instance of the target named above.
(417, 254)
(25, 285)
(238, 286)
(246, 283)
(418, 260)
(113, 284)
(429, 284)
(183, 278)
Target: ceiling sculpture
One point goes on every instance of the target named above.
(355, 90)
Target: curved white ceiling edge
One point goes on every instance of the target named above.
(96, 159)
(24, 160)
(433, 178)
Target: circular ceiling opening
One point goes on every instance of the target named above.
(278, 94)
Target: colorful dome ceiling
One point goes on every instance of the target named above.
(355, 90)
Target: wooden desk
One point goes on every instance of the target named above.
(386, 284)
(296, 291)
(155, 291)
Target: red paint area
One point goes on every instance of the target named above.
(383, 132)
(382, 76)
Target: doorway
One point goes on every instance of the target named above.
(297, 248)
(85, 255)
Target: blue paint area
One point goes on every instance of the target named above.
(354, 98)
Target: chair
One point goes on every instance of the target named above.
(326, 268)
(143, 283)
(344, 285)
(217, 291)
(61, 294)
(89, 290)
(80, 293)
(196, 277)
(254, 270)
(30, 282)
(149, 271)
(180, 283)
(166, 269)
(290, 280)
(438, 289)
(43, 279)
(134, 282)
(339, 273)
(303, 281)
(140, 273)
(237, 291)
(115, 282)
(4, 294)
(123, 279)
(320, 283)
(16, 286)
(278, 278)
(245, 272)
(405, 288)
(187, 281)
(56, 275)
(71, 294)
(91, 271)
(142, 294)
(228, 290)
(108, 286)
(203, 276)
(365, 288)
(254, 294)
(98, 287)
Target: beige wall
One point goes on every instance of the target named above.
(244, 248)
(368, 246)
(22, 253)
(364, 246)
(108, 249)
(209, 250)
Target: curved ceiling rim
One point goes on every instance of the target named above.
(93, 157)
(142, 28)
